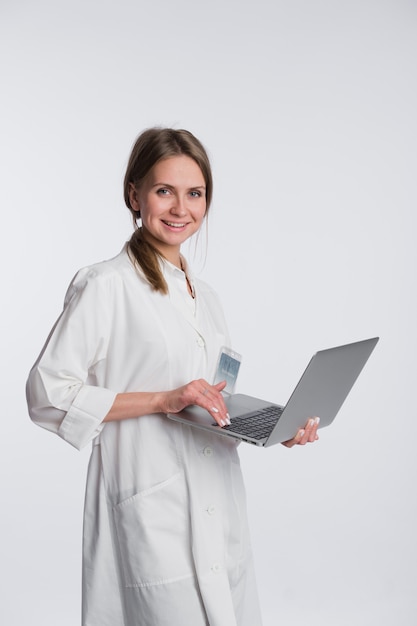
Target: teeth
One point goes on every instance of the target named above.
(175, 225)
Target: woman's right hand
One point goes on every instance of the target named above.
(198, 392)
(136, 403)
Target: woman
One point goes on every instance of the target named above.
(165, 532)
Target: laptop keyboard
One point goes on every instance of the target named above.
(258, 424)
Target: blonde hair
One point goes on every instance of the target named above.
(152, 146)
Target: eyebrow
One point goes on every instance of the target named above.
(173, 186)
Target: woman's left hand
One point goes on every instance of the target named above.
(308, 434)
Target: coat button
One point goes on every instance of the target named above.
(216, 568)
(208, 451)
(211, 509)
(200, 342)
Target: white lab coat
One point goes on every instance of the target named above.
(166, 540)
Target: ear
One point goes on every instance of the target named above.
(134, 198)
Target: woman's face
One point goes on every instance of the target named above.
(172, 204)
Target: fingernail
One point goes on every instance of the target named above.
(213, 408)
(301, 433)
(317, 420)
(222, 422)
(311, 422)
(228, 422)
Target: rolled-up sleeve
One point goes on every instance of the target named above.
(63, 393)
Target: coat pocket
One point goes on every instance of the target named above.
(153, 534)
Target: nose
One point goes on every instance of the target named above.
(179, 206)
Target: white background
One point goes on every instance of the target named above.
(308, 110)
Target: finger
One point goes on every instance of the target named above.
(222, 419)
(310, 434)
(218, 411)
(212, 400)
(299, 437)
(295, 440)
(303, 435)
(313, 431)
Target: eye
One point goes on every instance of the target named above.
(195, 194)
(163, 191)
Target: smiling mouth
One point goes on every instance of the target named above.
(175, 224)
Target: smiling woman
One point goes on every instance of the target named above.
(166, 538)
(152, 173)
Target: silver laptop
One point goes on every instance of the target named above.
(320, 392)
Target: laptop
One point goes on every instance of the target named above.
(320, 392)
